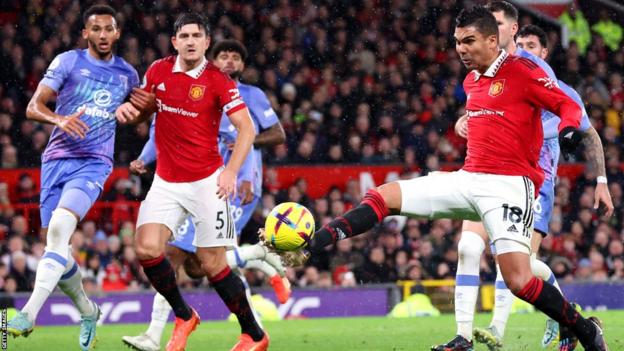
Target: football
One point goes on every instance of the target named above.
(289, 226)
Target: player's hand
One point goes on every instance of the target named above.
(73, 125)
(245, 192)
(127, 113)
(461, 126)
(601, 195)
(226, 184)
(143, 100)
(137, 167)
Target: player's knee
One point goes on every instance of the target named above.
(147, 249)
(516, 282)
(470, 246)
(61, 227)
(391, 194)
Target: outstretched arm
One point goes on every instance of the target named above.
(596, 160)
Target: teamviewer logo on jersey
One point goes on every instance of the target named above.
(496, 88)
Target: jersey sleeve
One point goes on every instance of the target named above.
(134, 79)
(148, 79)
(59, 70)
(574, 95)
(261, 110)
(228, 94)
(148, 154)
(544, 92)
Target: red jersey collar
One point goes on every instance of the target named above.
(494, 67)
(195, 72)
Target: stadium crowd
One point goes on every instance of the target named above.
(353, 82)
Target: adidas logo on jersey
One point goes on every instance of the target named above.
(512, 229)
(161, 87)
(220, 236)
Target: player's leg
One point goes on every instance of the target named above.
(150, 339)
(542, 211)
(79, 194)
(65, 198)
(256, 256)
(507, 216)
(231, 289)
(214, 232)
(470, 248)
(492, 336)
(434, 196)
(161, 213)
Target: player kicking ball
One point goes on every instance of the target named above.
(474, 236)
(189, 96)
(498, 182)
(229, 56)
(89, 84)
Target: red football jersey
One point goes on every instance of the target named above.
(504, 126)
(190, 106)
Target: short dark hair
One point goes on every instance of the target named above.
(190, 18)
(229, 45)
(531, 29)
(479, 17)
(508, 9)
(98, 10)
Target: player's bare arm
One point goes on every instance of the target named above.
(596, 160)
(246, 134)
(140, 108)
(271, 137)
(38, 110)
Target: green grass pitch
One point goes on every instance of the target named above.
(524, 332)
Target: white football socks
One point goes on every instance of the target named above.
(52, 265)
(470, 248)
(160, 314)
(541, 270)
(71, 284)
(503, 300)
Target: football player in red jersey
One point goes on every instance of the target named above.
(189, 95)
(498, 182)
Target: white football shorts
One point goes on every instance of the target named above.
(171, 203)
(503, 203)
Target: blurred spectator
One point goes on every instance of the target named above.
(610, 31)
(577, 26)
(26, 190)
(375, 269)
(24, 277)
